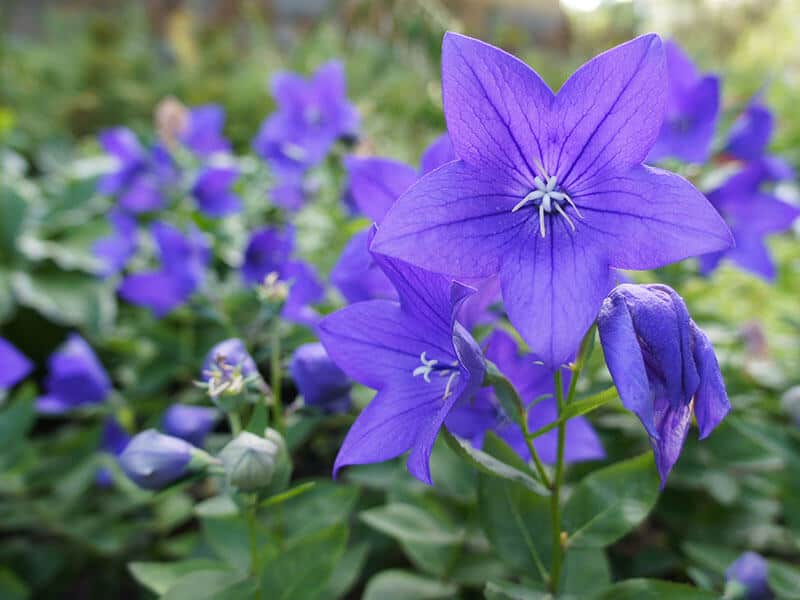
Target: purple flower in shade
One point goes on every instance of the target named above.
(184, 260)
(477, 309)
(373, 186)
(549, 190)
(192, 423)
(751, 132)
(269, 251)
(203, 132)
(691, 112)
(113, 440)
(153, 460)
(290, 190)
(140, 176)
(227, 365)
(321, 383)
(117, 249)
(752, 213)
(532, 381)
(75, 378)
(212, 191)
(14, 365)
(750, 571)
(312, 114)
(421, 361)
(663, 365)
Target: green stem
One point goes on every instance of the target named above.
(555, 496)
(534, 455)
(275, 382)
(235, 422)
(252, 524)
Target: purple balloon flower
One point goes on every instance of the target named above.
(113, 440)
(203, 132)
(140, 176)
(663, 365)
(269, 251)
(415, 354)
(471, 420)
(75, 378)
(14, 365)
(184, 260)
(751, 132)
(212, 191)
(750, 570)
(229, 355)
(549, 191)
(117, 249)
(153, 460)
(752, 213)
(356, 274)
(190, 423)
(691, 112)
(321, 383)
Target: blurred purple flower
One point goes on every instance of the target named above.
(751, 132)
(212, 191)
(752, 213)
(321, 383)
(663, 365)
(549, 191)
(269, 251)
(415, 354)
(140, 177)
(203, 133)
(750, 570)
(153, 460)
(75, 378)
(227, 364)
(190, 423)
(691, 112)
(472, 420)
(113, 440)
(357, 276)
(184, 260)
(14, 365)
(117, 249)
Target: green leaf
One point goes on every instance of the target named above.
(585, 571)
(11, 587)
(714, 558)
(18, 416)
(503, 590)
(578, 408)
(396, 584)
(490, 465)
(323, 505)
(159, 577)
(653, 589)
(608, 503)
(13, 210)
(784, 579)
(212, 585)
(505, 393)
(6, 296)
(347, 571)
(229, 539)
(220, 506)
(407, 523)
(301, 569)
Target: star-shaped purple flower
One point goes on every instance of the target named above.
(184, 260)
(691, 112)
(532, 381)
(663, 365)
(321, 383)
(75, 378)
(212, 191)
(140, 177)
(550, 190)
(751, 131)
(116, 249)
(421, 361)
(752, 213)
(14, 365)
(203, 132)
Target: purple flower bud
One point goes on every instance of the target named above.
(319, 380)
(663, 365)
(190, 423)
(114, 439)
(750, 570)
(76, 378)
(153, 460)
(14, 366)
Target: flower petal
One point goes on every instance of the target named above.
(357, 276)
(14, 366)
(672, 425)
(375, 183)
(711, 402)
(439, 152)
(159, 291)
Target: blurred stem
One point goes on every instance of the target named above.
(252, 523)
(235, 422)
(275, 381)
(558, 480)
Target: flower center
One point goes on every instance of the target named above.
(549, 198)
(430, 366)
(293, 151)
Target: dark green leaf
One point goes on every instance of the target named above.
(408, 523)
(653, 589)
(13, 209)
(505, 393)
(212, 585)
(403, 585)
(503, 590)
(159, 577)
(784, 579)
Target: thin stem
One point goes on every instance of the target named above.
(235, 422)
(555, 496)
(275, 381)
(534, 455)
(252, 507)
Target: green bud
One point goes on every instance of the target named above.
(250, 460)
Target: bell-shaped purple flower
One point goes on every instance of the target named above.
(139, 177)
(212, 191)
(227, 365)
(753, 213)
(321, 383)
(549, 190)
(421, 361)
(751, 131)
(113, 440)
(750, 571)
(532, 381)
(190, 423)
(117, 249)
(75, 378)
(203, 131)
(691, 112)
(269, 251)
(14, 365)
(184, 260)
(153, 460)
(663, 365)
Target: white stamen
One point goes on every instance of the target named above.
(447, 387)
(563, 214)
(548, 199)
